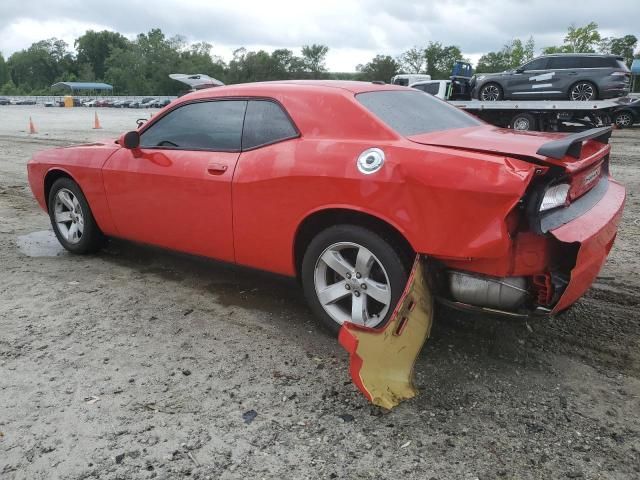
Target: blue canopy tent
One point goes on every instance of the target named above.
(75, 87)
(635, 72)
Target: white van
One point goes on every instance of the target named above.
(407, 79)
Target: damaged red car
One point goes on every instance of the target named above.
(341, 184)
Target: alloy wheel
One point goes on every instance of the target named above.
(623, 120)
(490, 93)
(582, 92)
(351, 284)
(68, 216)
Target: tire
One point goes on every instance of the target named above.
(384, 276)
(523, 122)
(623, 119)
(490, 92)
(583, 91)
(64, 194)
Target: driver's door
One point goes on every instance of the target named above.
(175, 189)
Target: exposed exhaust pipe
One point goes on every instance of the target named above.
(506, 293)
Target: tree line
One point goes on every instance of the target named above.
(141, 66)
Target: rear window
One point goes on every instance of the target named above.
(619, 63)
(412, 112)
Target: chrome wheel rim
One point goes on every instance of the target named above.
(521, 124)
(352, 285)
(582, 92)
(68, 216)
(490, 93)
(623, 120)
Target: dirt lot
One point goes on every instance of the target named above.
(139, 363)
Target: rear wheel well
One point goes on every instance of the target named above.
(319, 221)
(50, 179)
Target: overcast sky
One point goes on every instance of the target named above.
(354, 30)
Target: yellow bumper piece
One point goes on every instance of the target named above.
(382, 360)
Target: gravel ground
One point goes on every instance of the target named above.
(141, 363)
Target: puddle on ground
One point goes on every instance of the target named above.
(40, 244)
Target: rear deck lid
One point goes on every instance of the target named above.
(573, 152)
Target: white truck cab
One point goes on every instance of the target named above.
(437, 88)
(407, 79)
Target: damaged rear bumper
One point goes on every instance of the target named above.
(553, 271)
(595, 232)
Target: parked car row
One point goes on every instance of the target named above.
(147, 102)
(23, 101)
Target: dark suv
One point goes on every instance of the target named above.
(572, 76)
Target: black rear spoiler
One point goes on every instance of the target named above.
(572, 144)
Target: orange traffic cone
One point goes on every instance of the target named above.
(32, 127)
(96, 122)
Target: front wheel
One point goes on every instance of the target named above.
(491, 92)
(71, 218)
(350, 273)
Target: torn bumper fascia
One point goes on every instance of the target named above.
(382, 360)
(595, 231)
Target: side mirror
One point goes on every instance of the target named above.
(130, 140)
(519, 70)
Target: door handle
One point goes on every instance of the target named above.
(216, 168)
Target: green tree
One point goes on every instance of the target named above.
(198, 59)
(95, 47)
(381, 67)
(578, 40)
(314, 58)
(4, 71)
(512, 55)
(622, 46)
(583, 39)
(9, 88)
(440, 59)
(413, 60)
(42, 64)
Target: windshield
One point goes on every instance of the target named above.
(414, 112)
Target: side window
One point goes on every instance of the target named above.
(537, 64)
(210, 125)
(431, 88)
(555, 63)
(594, 62)
(265, 123)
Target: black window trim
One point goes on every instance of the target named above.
(247, 99)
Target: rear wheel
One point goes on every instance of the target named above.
(350, 273)
(71, 218)
(491, 92)
(623, 119)
(583, 91)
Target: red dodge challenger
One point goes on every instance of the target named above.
(341, 184)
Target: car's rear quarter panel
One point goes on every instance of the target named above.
(445, 203)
